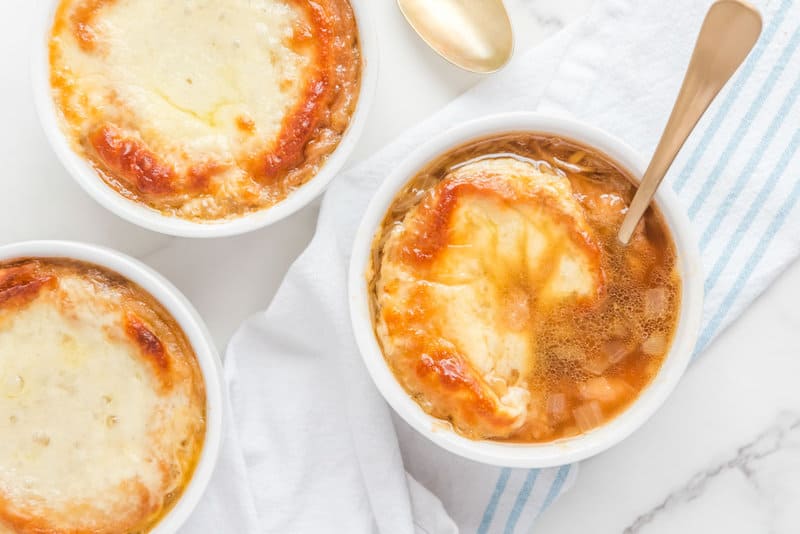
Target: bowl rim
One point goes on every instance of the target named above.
(141, 215)
(196, 332)
(562, 451)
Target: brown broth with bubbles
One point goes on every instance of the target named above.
(592, 361)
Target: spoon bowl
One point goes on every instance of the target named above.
(475, 35)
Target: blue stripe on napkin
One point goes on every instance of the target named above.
(763, 244)
(491, 508)
(758, 203)
(733, 94)
(558, 484)
(522, 500)
(744, 127)
(766, 140)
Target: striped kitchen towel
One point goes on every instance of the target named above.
(313, 447)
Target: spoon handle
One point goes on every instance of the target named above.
(730, 30)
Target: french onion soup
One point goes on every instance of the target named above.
(205, 110)
(502, 299)
(102, 402)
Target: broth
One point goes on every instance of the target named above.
(591, 360)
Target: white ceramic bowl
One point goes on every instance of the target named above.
(151, 219)
(527, 455)
(191, 323)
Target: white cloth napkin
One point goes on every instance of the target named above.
(311, 446)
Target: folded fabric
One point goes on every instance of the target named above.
(311, 446)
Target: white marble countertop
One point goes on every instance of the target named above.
(723, 455)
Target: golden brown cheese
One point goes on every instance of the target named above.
(205, 109)
(102, 402)
(464, 275)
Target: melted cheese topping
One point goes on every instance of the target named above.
(191, 84)
(464, 276)
(205, 109)
(101, 403)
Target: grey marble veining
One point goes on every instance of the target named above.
(748, 460)
(535, 20)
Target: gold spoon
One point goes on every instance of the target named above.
(475, 35)
(730, 30)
